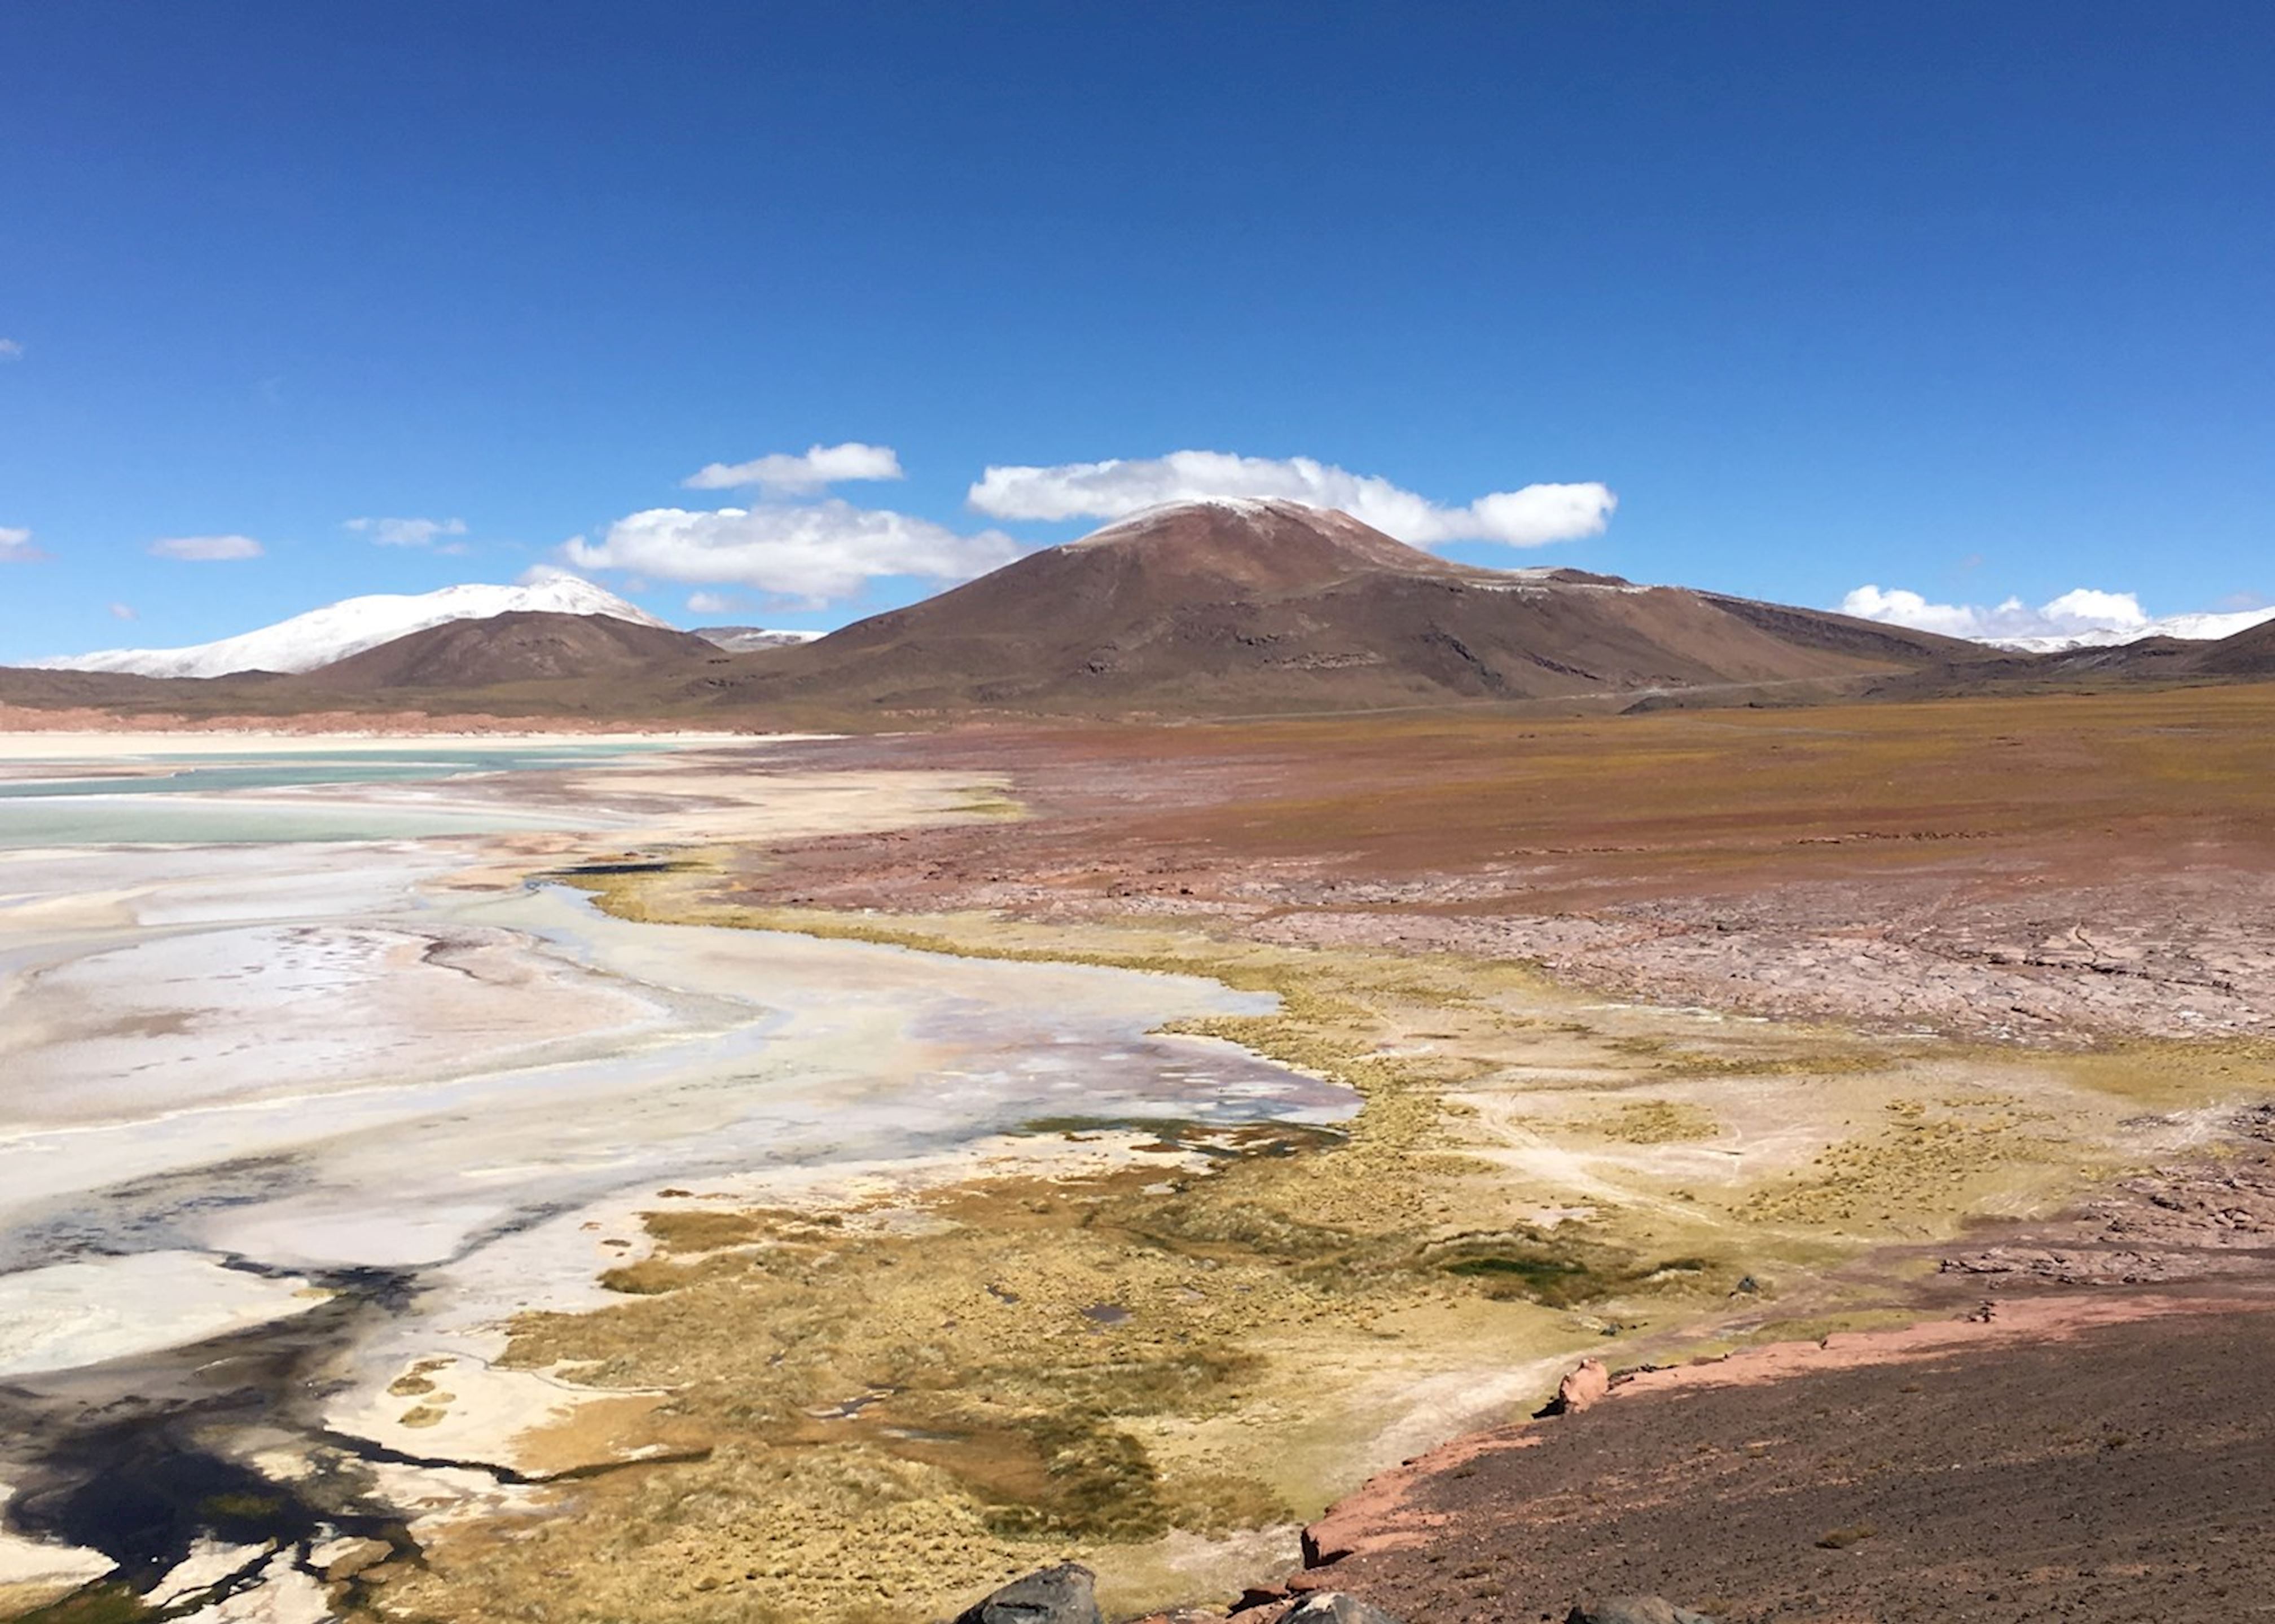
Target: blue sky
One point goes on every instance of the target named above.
(1969, 300)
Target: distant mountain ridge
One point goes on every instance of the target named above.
(744, 640)
(520, 645)
(306, 642)
(1224, 606)
(1214, 608)
(2205, 628)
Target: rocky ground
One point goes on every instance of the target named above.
(1906, 868)
(2114, 1471)
(2027, 1452)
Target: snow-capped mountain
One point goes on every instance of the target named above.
(2079, 618)
(2188, 628)
(744, 640)
(351, 625)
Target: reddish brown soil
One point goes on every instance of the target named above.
(2049, 868)
(2123, 1471)
(2026, 1451)
(2196, 1221)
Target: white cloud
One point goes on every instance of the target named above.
(709, 603)
(2084, 615)
(1530, 517)
(409, 532)
(539, 574)
(206, 549)
(123, 611)
(811, 553)
(820, 466)
(16, 547)
(11, 349)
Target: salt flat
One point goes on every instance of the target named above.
(247, 1080)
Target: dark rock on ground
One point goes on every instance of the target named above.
(1066, 1594)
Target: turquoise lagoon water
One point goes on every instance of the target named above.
(210, 800)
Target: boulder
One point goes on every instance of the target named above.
(345, 1559)
(1588, 1381)
(1066, 1594)
(1634, 1610)
(1334, 1607)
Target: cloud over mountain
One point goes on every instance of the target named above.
(2084, 615)
(1530, 516)
(810, 552)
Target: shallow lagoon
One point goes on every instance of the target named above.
(294, 1071)
(169, 798)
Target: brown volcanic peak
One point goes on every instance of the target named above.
(520, 646)
(1163, 560)
(1230, 605)
(1254, 546)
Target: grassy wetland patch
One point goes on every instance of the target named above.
(903, 1398)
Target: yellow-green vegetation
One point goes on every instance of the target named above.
(1653, 1122)
(988, 802)
(99, 1603)
(1927, 1161)
(908, 1397)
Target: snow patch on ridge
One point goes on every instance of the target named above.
(1239, 507)
(306, 642)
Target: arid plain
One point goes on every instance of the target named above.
(1674, 1033)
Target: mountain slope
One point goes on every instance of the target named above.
(1229, 605)
(2249, 652)
(337, 630)
(521, 645)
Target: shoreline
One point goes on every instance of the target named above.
(1885, 1298)
(46, 743)
(836, 1068)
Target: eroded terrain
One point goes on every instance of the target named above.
(2045, 871)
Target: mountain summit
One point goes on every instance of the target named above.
(337, 630)
(1268, 605)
